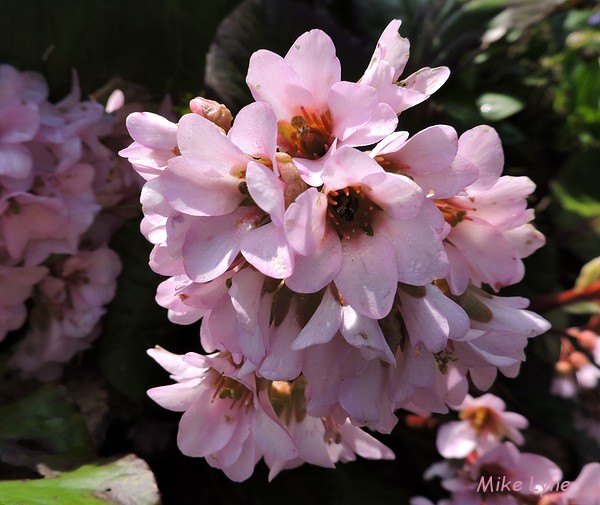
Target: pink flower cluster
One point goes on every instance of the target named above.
(58, 182)
(574, 369)
(485, 467)
(335, 283)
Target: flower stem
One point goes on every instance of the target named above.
(545, 303)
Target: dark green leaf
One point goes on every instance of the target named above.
(43, 427)
(577, 193)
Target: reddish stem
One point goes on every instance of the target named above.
(544, 303)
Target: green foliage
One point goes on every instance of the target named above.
(590, 273)
(496, 106)
(126, 480)
(577, 195)
(43, 426)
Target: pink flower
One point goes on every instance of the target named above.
(388, 62)
(430, 157)
(27, 221)
(484, 424)
(155, 143)
(227, 419)
(171, 294)
(499, 332)
(355, 232)
(574, 370)
(21, 96)
(490, 230)
(321, 441)
(314, 108)
(213, 179)
(334, 285)
(70, 305)
(481, 481)
(584, 490)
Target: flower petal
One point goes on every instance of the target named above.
(347, 167)
(211, 244)
(272, 80)
(206, 426)
(383, 122)
(482, 147)
(419, 253)
(313, 58)
(267, 191)
(305, 221)
(189, 191)
(313, 272)
(323, 324)
(368, 276)
(266, 248)
(351, 106)
(207, 149)
(152, 130)
(399, 196)
(365, 334)
(254, 131)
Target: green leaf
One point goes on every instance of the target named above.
(590, 272)
(474, 5)
(122, 482)
(43, 427)
(577, 204)
(497, 106)
(517, 17)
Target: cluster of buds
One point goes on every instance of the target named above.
(578, 366)
(342, 270)
(60, 188)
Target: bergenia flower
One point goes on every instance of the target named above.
(334, 285)
(69, 305)
(224, 419)
(584, 490)
(212, 181)
(60, 187)
(322, 440)
(386, 66)
(20, 99)
(489, 231)
(500, 328)
(484, 424)
(375, 217)
(315, 110)
(479, 481)
(235, 419)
